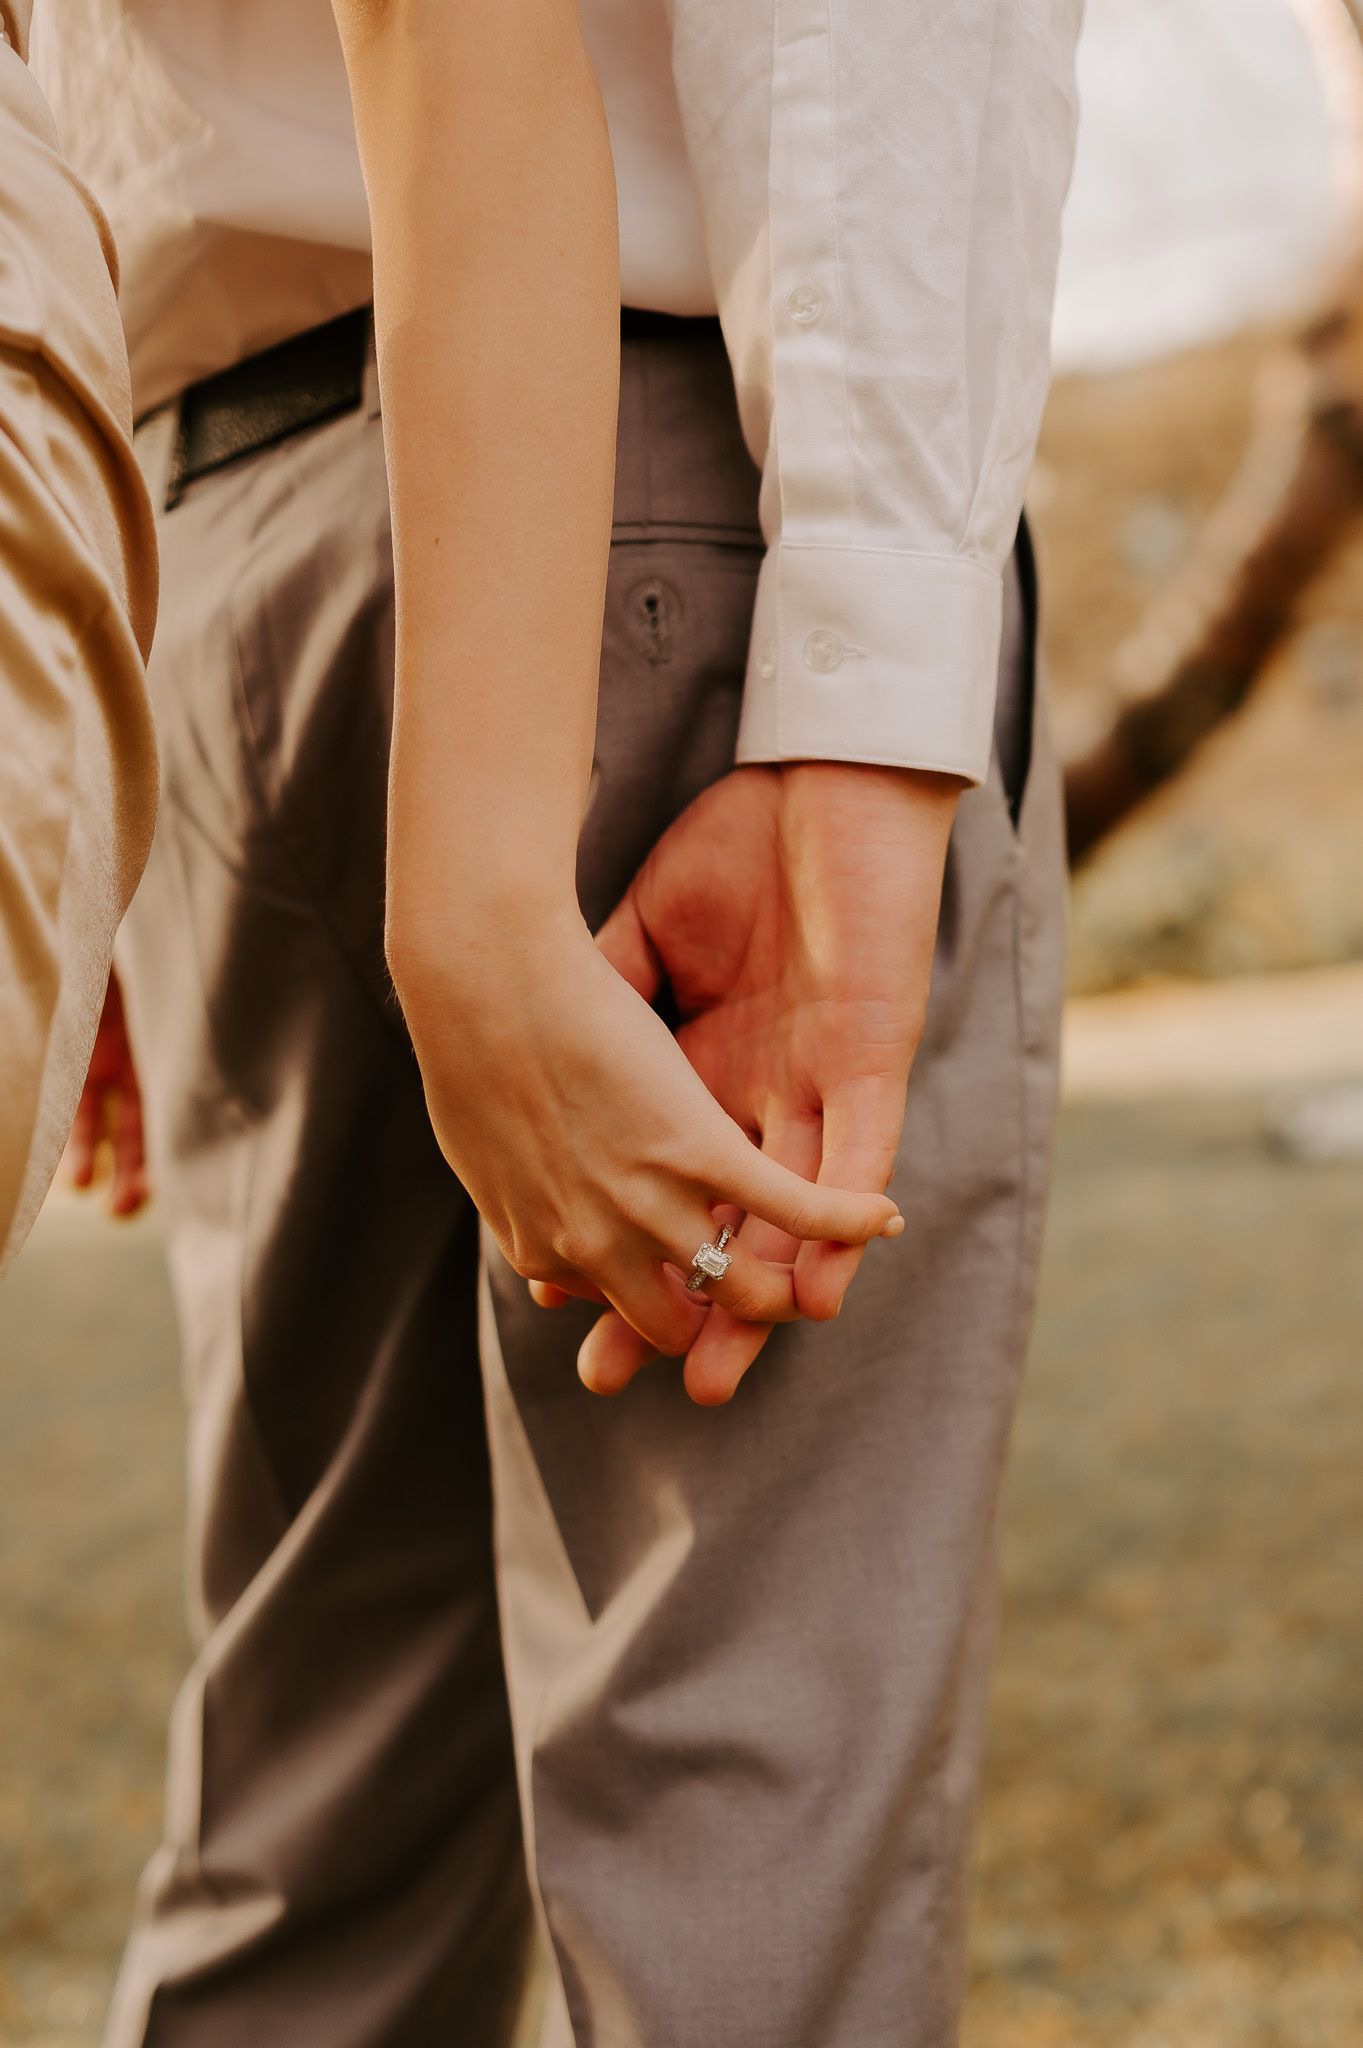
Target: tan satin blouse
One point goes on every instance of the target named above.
(77, 602)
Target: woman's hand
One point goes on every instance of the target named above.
(589, 1143)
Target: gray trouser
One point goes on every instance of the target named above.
(716, 1678)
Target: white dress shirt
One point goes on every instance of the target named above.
(867, 191)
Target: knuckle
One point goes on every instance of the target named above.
(747, 1300)
(582, 1250)
(527, 1256)
(670, 1337)
(529, 1267)
(671, 1326)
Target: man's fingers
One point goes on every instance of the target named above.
(627, 946)
(823, 1274)
(861, 1138)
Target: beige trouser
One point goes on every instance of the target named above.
(745, 1649)
(77, 594)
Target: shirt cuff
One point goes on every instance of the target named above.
(873, 654)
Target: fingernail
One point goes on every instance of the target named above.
(894, 1228)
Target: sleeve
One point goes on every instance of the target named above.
(77, 599)
(881, 183)
(15, 20)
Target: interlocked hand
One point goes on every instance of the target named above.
(793, 911)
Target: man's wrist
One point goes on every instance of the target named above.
(856, 835)
(927, 792)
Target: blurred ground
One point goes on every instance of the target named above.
(1172, 1849)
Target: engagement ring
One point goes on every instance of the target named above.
(711, 1262)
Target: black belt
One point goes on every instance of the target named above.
(316, 376)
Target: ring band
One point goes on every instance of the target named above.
(711, 1262)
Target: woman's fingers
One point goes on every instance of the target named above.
(752, 1295)
(613, 1354)
(722, 1326)
(744, 1305)
(758, 1183)
(655, 1304)
(727, 1345)
(556, 1294)
(753, 1289)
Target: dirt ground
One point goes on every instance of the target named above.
(1171, 1853)
(1172, 1849)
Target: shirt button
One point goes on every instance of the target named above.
(806, 304)
(823, 650)
(767, 665)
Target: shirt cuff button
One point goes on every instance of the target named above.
(823, 650)
(806, 304)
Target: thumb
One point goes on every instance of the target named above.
(625, 943)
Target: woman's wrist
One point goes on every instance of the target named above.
(459, 938)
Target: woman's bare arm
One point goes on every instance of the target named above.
(585, 1137)
(496, 287)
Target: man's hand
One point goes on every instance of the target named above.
(111, 1106)
(794, 912)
